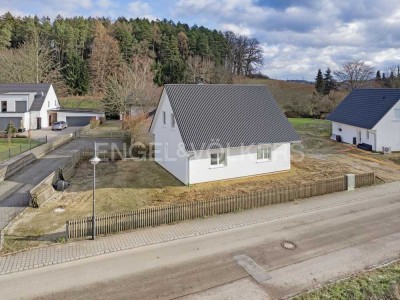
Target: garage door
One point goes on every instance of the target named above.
(4, 121)
(78, 121)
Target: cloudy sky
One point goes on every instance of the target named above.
(298, 37)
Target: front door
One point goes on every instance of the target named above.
(50, 120)
(38, 123)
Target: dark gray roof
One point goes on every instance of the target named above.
(37, 88)
(24, 87)
(77, 110)
(365, 107)
(223, 115)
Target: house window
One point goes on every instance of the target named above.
(367, 135)
(218, 159)
(264, 152)
(164, 117)
(3, 106)
(172, 121)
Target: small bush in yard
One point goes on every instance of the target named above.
(94, 123)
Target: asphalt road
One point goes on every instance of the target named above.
(243, 263)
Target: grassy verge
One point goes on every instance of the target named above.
(81, 102)
(130, 185)
(17, 146)
(382, 283)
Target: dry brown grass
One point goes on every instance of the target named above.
(129, 185)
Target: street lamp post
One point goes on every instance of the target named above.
(94, 161)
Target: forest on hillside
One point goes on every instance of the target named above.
(126, 58)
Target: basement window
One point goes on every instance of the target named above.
(218, 159)
(264, 153)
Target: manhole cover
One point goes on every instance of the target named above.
(288, 245)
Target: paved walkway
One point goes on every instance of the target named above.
(77, 250)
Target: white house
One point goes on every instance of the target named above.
(370, 117)
(27, 105)
(213, 132)
(35, 106)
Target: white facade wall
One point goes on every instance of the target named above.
(12, 98)
(388, 130)
(30, 118)
(62, 115)
(348, 132)
(240, 162)
(51, 102)
(168, 144)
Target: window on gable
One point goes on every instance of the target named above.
(264, 152)
(218, 159)
(3, 106)
(164, 117)
(172, 121)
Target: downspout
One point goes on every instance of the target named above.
(187, 169)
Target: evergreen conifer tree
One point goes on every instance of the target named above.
(319, 82)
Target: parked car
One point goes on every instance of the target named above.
(59, 125)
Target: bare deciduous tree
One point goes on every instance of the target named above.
(197, 67)
(355, 74)
(133, 86)
(31, 63)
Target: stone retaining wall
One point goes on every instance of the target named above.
(13, 165)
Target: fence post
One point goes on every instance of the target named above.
(1, 239)
(350, 182)
(67, 231)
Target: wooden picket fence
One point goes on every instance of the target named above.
(167, 214)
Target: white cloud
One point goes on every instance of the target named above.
(139, 8)
(238, 29)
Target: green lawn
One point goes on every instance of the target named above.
(315, 135)
(17, 146)
(78, 102)
(382, 283)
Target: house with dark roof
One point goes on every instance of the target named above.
(208, 132)
(36, 106)
(370, 117)
(26, 105)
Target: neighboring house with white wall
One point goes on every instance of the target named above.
(208, 132)
(27, 105)
(36, 106)
(77, 116)
(369, 116)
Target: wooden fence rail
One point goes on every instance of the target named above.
(155, 216)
